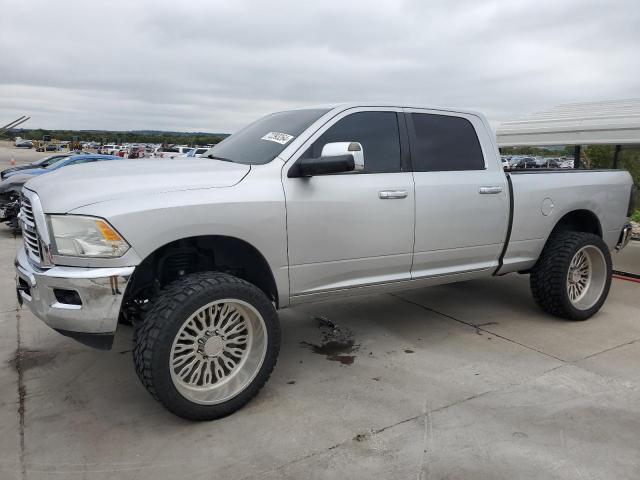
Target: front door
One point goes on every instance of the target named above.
(351, 229)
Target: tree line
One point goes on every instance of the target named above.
(106, 136)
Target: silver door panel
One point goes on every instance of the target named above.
(442, 262)
(349, 273)
(333, 218)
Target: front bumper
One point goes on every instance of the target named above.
(625, 236)
(91, 315)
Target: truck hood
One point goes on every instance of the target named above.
(76, 186)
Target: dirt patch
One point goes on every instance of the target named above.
(337, 343)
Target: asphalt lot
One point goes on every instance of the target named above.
(462, 381)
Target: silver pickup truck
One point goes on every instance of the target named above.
(299, 206)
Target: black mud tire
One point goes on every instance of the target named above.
(167, 312)
(548, 279)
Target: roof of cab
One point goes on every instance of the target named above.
(347, 105)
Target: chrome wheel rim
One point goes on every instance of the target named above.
(586, 277)
(218, 351)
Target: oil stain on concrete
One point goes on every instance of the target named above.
(337, 343)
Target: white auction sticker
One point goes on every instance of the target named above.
(277, 137)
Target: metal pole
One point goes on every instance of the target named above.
(576, 156)
(616, 154)
(13, 124)
(10, 125)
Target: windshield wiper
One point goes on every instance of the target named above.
(220, 158)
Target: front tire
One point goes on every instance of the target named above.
(572, 276)
(207, 345)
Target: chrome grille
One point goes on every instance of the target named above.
(29, 231)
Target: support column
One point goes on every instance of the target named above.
(616, 155)
(576, 156)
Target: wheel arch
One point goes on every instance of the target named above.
(580, 220)
(201, 253)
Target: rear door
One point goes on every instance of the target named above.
(462, 203)
(343, 229)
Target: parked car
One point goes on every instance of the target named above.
(300, 206)
(524, 162)
(43, 162)
(11, 186)
(171, 152)
(197, 152)
(109, 149)
(551, 163)
(24, 144)
(137, 152)
(566, 163)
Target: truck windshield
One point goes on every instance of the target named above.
(263, 140)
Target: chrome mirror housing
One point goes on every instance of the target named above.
(346, 148)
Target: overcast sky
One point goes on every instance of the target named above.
(213, 66)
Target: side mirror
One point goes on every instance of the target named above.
(346, 148)
(337, 157)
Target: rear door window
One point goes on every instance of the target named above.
(443, 142)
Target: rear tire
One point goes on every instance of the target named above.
(572, 276)
(208, 344)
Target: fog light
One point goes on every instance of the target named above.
(68, 297)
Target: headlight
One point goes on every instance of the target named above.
(78, 236)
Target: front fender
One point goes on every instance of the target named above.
(253, 212)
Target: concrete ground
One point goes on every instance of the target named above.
(465, 381)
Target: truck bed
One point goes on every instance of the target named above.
(541, 197)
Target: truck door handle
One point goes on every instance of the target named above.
(489, 190)
(391, 194)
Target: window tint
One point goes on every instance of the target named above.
(442, 142)
(378, 134)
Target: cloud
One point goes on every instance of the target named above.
(214, 66)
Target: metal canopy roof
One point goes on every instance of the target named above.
(612, 122)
